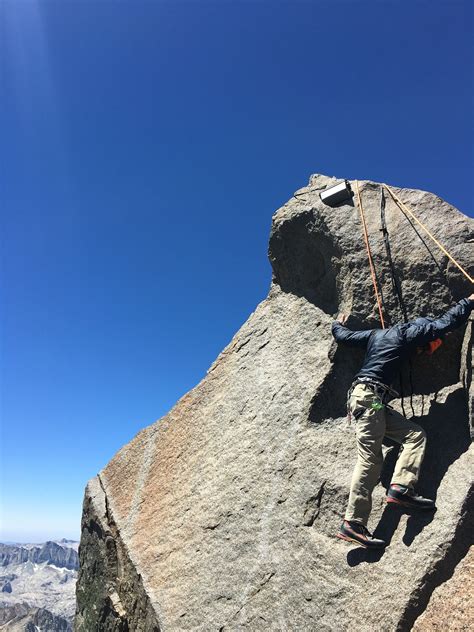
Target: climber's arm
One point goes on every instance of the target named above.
(355, 338)
(452, 319)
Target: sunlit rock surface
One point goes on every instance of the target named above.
(222, 514)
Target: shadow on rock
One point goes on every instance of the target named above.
(416, 523)
(385, 530)
(327, 401)
(359, 555)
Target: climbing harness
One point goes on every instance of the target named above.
(382, 391)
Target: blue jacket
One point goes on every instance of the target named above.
(387, 348)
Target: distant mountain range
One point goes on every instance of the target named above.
(25, 618)
(37, 586)
(62, 554)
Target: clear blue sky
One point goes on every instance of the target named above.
(145, 146)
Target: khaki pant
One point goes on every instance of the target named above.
(371, 427)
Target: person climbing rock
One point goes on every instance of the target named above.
(367, 405)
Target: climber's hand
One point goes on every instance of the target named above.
(342, 318)
(471, 298)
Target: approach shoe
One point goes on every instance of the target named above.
(358, 533)
(406, 497)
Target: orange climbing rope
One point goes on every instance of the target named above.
(369, 254)
(403, 206)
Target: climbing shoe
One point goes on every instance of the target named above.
(406, 497)
(356, 532)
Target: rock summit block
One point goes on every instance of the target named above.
(222, 514)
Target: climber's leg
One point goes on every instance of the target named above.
(412, 438)
(370, 430)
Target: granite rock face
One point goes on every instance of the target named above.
(221, 515)
(452, 604)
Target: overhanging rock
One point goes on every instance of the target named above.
(221, 515)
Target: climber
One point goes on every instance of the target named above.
(374, 419)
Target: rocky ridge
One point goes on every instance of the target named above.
(50, 552)
(37, 585)
(221, 516)
(25, 618)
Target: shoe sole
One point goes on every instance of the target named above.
(349, 539)
(365, 546)
(396, 501)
